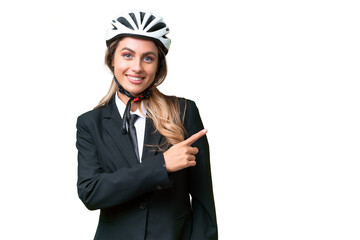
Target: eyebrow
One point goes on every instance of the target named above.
(144, 54)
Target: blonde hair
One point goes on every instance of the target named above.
(163, 110)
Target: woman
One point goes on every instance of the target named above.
(140, 175)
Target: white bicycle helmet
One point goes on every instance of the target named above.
(141, 24)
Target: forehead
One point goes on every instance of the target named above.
(137, 44)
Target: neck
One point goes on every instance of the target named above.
(125, 99)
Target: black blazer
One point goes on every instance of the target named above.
(142, 200)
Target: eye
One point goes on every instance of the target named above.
(148, 59)
(127, 55)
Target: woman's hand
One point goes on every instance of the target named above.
(182, 155)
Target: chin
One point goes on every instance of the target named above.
(135, 90)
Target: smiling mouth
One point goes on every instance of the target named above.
(135, 79)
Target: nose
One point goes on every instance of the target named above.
(137, 66)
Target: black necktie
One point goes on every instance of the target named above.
(132, 132)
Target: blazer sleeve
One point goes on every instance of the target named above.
(99, 189)
(200, 184)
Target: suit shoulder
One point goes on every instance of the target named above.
(92, 115)
(183, 102)
(188, 109)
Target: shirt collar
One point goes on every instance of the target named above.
(121, 108)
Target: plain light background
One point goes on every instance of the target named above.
(276, 82)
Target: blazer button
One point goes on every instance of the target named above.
(143, 205)
(158, 187)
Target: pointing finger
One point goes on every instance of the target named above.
(195, 137)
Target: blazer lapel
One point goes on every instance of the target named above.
(152, 138)
(113, 123)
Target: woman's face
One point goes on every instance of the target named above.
(135, 63)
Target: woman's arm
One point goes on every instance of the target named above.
(200, 183)
(98, 189)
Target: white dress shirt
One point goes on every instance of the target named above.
(139, 124)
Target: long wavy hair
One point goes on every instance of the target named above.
(163, 110)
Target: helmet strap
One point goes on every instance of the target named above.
(126, 116)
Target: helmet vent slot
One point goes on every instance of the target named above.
(151, 18)
(132, 15)
(142, 14)
(125, 22)
(157, 27)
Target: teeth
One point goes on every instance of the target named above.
(135, 78)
